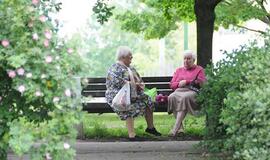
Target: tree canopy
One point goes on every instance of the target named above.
(156, 18)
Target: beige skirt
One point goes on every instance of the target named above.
(182, 99)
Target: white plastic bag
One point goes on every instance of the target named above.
(122, 99)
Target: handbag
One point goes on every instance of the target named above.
(194, 86)
(121, 101)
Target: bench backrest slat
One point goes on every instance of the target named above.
(102, 86)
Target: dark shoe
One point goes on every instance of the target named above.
(153, 131)
(136, 138)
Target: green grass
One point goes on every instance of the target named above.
(110, 126)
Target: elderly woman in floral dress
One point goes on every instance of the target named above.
(182, 100)
(141, 104)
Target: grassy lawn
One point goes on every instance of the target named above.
(110, 126)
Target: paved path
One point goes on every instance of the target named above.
(148, 150)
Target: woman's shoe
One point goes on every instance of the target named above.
(152, 131)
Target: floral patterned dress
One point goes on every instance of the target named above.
(117, 74)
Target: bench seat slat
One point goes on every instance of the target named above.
(105, 108)
(102, 86)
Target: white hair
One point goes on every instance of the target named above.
(122, 51)
(190, 53)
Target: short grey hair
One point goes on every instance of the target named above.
(122, 51)
(190, 53)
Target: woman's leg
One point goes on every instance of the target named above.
(181, 125)
(130, 127)
(149, 117)
(150, 124)
(178, 123)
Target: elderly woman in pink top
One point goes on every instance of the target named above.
(182, 100)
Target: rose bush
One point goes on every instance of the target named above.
(37, 89)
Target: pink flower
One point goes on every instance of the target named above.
(20, 71)
(48, 59)
(66, 146)
(35, 36)
(42, 18)
(29, 75)
(48, 34)
(38, 93)
(48, 156)
(70, 50)
(21, 88)
(11, 74)
(56, 99)
(68, 92)
(5, 43)
(35, 2)
(46, 43)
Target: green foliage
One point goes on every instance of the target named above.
(152, 25)
(235, 12)
(98, 44)
(236, 104)
(248, 130)
(102, 11)
(157, 18)
(37, 85)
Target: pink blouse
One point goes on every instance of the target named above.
(187, 74)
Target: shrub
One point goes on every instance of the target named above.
(247, 112)
(236, 104)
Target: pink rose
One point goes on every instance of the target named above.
(48, 59)
(46, 43)
(68, 92)
(35, 36)
(5, 43)
(48, 34)
(21, 88)
(20, 71)
(42, 18)
(35, 2)
(66, 146)
(38, 93)
(11, 74)
(70, 50)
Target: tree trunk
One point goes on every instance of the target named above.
(205, 18)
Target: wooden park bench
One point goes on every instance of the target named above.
(96, 88)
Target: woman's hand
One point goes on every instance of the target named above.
(182, 83)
